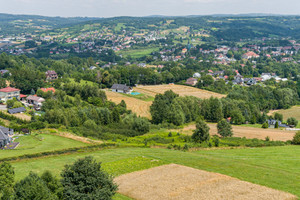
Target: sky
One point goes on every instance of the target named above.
(112, 8)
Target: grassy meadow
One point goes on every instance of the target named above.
(36, 143)
(275, 167)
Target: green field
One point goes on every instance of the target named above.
(275, 167)
(140, 96)
(137, 53)
(291, 112)
(36, 143)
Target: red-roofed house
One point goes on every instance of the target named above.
(48, 89)
(191, 81)
(9, 93)
(250, 55)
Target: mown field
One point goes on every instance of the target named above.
(274, 167)
(291, 112)
(35, 143)
(179, 89)
(137, 53)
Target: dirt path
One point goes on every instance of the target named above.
(140, 107)
(248, 132)
(176, 182)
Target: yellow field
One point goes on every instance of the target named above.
(292, 112)
(176, 182)
(179, 89)
(140, 107)
(247, 132)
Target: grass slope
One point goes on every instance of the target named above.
(275, 167)
(30, 144)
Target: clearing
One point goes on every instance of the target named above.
(182, 90)
(140, 107)
(248, 132)
(179, 182)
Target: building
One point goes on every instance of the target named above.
(191, 81)
(51, 75)
(5, 136)
(272, 123)
(9, 93)
(16, 110)
(36, 101)
(250, 55)
(48, 89)
(121, 88)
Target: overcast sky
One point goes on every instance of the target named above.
(110, 8)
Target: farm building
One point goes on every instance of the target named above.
(16, 110)
(9, 93)
(5, 134)
(272, 122)
(120, 88)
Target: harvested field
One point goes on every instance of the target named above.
(248, 132)
(179, 89)
(179, 182)
(22, 116)
(140, 107)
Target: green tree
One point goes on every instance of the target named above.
(7, 176)
(278, 116)
(276, 124)
(86, 180)
(265, 125)
(33, 187)
(201, 134)
(292, 121)
(52, 183)
(224, 128)
(296, 138)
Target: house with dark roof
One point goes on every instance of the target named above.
(120, 88)
(9, 93)
(5, 136)
(51, 75)
(16, 110)
(272, 122)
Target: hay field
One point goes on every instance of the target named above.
(179, 182)
(248, 132)
(140, 107)
(179, 89)
(292, 112)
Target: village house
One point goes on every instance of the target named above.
(250, 55)
(9, 93)
(51, 75)
(120, 88)
(48, 89)
(5, 136)
(36, 101)
(272, 122)
(191, 81)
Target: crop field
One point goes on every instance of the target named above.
(179, 89)
(35, 143)
(137, 53)
(273, 167)
(248, 132)
(185, 183)
(140, 107)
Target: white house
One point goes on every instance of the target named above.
(121, 88)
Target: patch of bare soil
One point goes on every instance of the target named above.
(176, 182)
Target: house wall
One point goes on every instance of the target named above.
(4, 96)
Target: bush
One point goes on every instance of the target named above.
(296, 139)
(265, 125)
(292, 121)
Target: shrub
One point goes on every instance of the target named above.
(292, 121)
(296, 139)
(265, 125)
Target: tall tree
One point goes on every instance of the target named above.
(201, 134)
(86, 180)
(224, 128)
(7, 176)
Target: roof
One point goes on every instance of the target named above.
(4, 133)
(121, 87)
(35, 98)
(23, 95)
(51, 72)
(48, 89)
(16, 110)
(9, 89)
